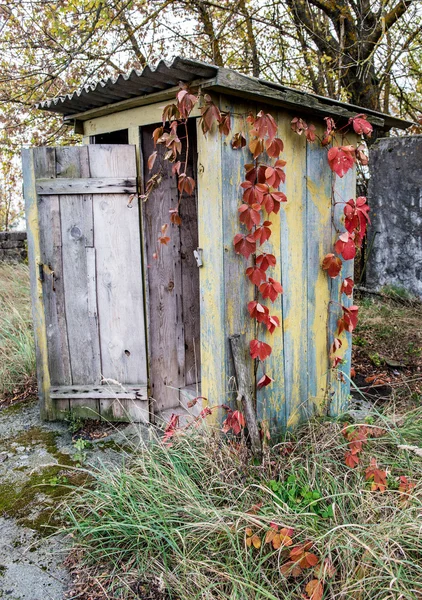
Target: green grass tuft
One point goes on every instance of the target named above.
(17, 353)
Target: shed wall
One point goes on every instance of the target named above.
(302, 234)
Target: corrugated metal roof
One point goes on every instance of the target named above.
(136, 83)
(165, 75)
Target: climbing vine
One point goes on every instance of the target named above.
(261, 202)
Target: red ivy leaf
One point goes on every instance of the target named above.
(314, 589)
(256, 146)
(256, 275)
(272, 322)
(361, 155)
(156, 134)
(274, 147)
(271, 289)
(249, 215)
(310, 133)
(361, 125)
(351, 460)
(263, 261)
(349, 319)
(329, 132)
(253, 194)
(235, 421)
(264, 381)
(298, 125)
(224, 123)
(264, 124)
(345, 245)
(239, 141)
(244, 244)
(275, 175)
(185, 100)
(259, 350)
(341, 159)
(258, 311)
(332, 264)
(377, 476)
(151, 160)
(263, 233)
(347, 286)
(210, 114)
(186, 184)
(357, 217)
(175, 217)
(272, 200)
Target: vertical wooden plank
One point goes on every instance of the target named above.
(344, 189)
(166, 329)
(212, 285)
(319, 233)
(190, 270)
(53, 288)
(238, 290)
(34, 258)
(294, 260)
(118, 269)
(77, 234)
(271, 400)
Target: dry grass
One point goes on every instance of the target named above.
(17, 354)
(177, 517)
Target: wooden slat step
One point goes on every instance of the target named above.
(99, 392)
(87, 185)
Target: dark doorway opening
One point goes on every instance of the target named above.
(114, 137)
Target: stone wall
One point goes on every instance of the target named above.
(12, 246)
(395, 198)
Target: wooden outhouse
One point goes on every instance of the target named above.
(124, 335)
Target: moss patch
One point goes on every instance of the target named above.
(33, 500)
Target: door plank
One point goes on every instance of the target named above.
(166, 331)
(87, 185)
(118, 270)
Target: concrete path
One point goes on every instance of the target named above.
(37, 466)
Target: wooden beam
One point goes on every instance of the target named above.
(87, 185)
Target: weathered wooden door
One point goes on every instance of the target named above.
(86, 278)
(173, 282)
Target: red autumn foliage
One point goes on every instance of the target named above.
(263, 261)
(332, 264)
(274, 147)
(256, 275)
(235, 421)
(377, 476)
(249, 215)
(272, 323)
(275, 175)
(349, 320)
(341, 159)
(314, 589)
(357, 217)
(271, 289)
(238, 141)
(263, 233)
(244, 244)
(258, 311)
(259, 350)
(345, 245)
(347, 286)
(264, 381)
(361, 125)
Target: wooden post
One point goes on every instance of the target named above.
(35, 267)
(244, 388)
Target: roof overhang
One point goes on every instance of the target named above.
(157, 84)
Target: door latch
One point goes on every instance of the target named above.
(198, 257)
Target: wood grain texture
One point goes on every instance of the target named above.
(32, 163)
(52, 281)
(319, 233)
(190, 271)
(166, 328)
(77, 235)
(88, 185)
(294, 262)
(118, 270)
(238, 290)
(212, 284)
